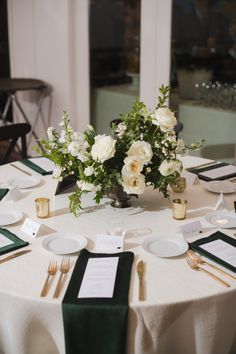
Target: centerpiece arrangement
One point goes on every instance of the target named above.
(139, 154)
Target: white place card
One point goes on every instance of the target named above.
(13, 194)
(222, 250)
(99, 278)
(30, 227)
(109, 243)
(43, 162)
(191, 229)
(5, 241)
(219, 172)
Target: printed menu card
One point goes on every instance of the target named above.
(218, 247)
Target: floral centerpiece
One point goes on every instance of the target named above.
(139, 154)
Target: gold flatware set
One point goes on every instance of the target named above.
(51, 272)
(195, 261)
(140, 271)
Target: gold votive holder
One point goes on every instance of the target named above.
(179, 185)
(179, 209)
(42, 207)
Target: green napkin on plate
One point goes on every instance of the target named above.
(97, 325)
(14, 245)
(35, 167)
(3, 192)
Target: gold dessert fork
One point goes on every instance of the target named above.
(194, 266)
(140, 271)
(52, 269)
(199, 260)
(64, 268)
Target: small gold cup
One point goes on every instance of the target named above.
(179, 185)
(179, 209)
(42, 207)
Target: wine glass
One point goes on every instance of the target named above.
(116, 226)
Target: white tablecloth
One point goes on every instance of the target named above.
(185, 312)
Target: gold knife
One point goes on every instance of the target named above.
(14, 255)
(140, 271)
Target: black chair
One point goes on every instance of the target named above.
(10, 134)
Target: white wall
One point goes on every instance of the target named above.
(46, 40)
(155, 48)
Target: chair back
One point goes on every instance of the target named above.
(11, 133)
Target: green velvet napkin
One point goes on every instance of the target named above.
(196, 246)
(3, 192)
(97, 325)
(17, 242)
(35, 167)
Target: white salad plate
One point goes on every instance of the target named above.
(64, 243)
(219, 186)
(9, 217)
(166, 246)
(25, 182)
(222, 218)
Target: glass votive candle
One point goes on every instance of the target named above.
(42, 207)
(179, 185)
(179, 209)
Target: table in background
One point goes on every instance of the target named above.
(216, 125)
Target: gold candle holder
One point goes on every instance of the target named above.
(179, 185)
(179, 209)
(42, 207)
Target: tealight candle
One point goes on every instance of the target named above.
(42, 207)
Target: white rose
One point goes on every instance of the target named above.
(169, 167)
(142, 150)
(133, 165)
(89, 171)
(104, 148)
(133, 184)
(164, 118)
(121, 128)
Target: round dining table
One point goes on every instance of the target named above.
(183, 312)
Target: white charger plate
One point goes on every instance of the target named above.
(219, 186)
(64, 243)
(25, 182)
(9, 217)
(224, 219)
(166, 246)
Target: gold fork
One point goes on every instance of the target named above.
(64, 268)
(199, 260)
(140, 271)
(194, 266)
(52, 269)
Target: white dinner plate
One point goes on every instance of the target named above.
(25, 182)
(166, 246)
(64, 243)
(219, 186)
(224, 219)
(9, 217)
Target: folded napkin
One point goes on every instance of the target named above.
(97, 325)
(16, 241)
(3, 192)
(35, 167)
(196, 246)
